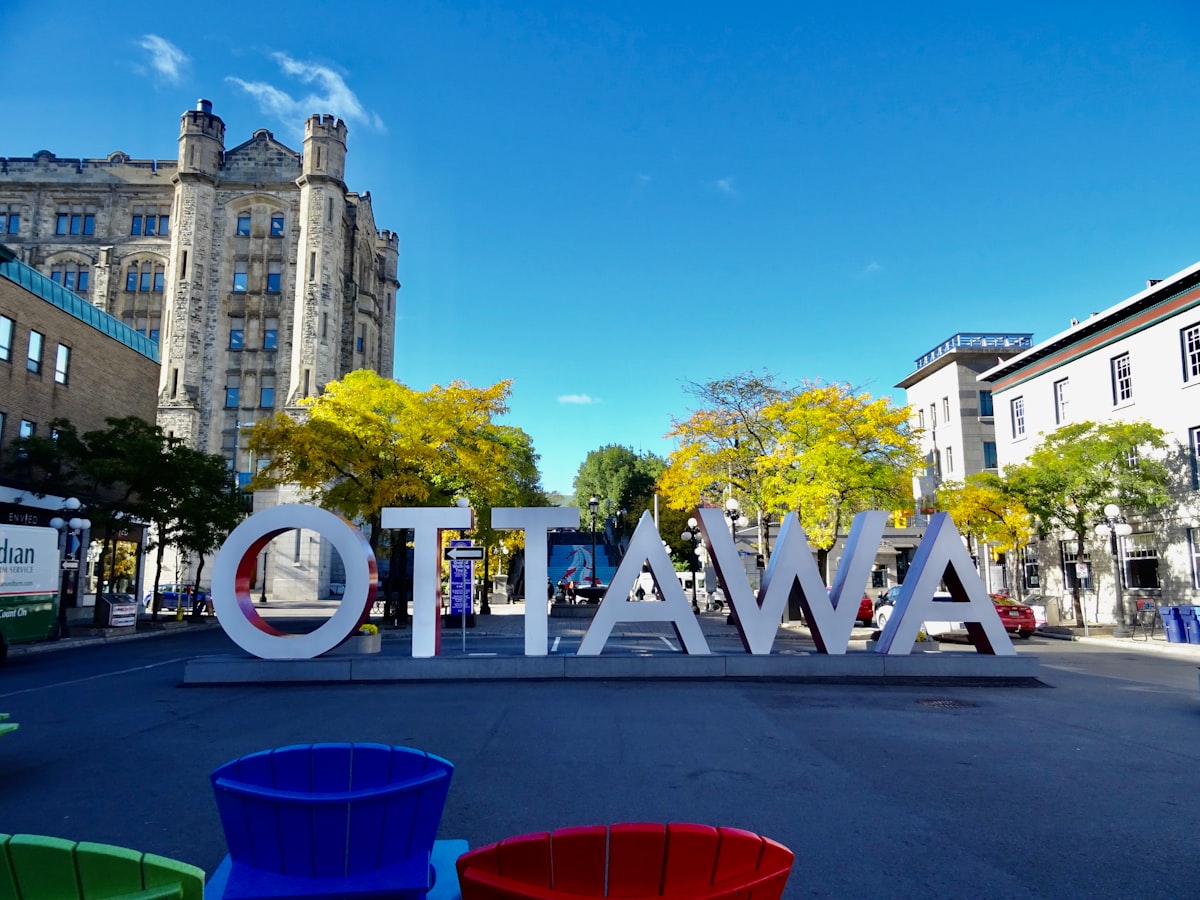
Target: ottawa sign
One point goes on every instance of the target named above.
(830, 613)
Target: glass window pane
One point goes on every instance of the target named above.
(89, 224)
(158, 280)
(239, 281)
(164, 224)
(62, 363)
(131, 279)
(144, 283)
(243, 224)
(276, 226)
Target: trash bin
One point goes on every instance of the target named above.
(1173, 624)
(1191, 624)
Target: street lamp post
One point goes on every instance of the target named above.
(68, 527)
(593, 505)
(691, 537)
(262, 594)
(737, 520)
(1111, 527)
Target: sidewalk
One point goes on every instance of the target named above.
(507, 619)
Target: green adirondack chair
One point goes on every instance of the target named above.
(6, 726)
(33, 867)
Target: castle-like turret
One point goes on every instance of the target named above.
(202, 141)
(317, 314)
(325, 147)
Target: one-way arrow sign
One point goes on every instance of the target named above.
(463, 553)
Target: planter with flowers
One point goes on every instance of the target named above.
(368, 638)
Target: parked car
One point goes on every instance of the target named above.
(866, 611)
(170, 597)
(1016, 618)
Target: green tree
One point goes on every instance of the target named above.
(1070, 476)
(837, 453)
(206, 500)
(983, 508)
(721, 444)
(619, 478)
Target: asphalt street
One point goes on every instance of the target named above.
(1082, 787)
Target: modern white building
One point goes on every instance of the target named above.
(1136, 361)
(952, 416)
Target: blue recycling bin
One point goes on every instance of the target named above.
(1191, 624)
(1173, 624)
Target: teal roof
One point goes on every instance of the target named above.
(72, 304)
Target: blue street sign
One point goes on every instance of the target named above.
(462, 581)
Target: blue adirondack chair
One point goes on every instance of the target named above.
(334, 820)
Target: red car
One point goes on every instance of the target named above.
(866, 611)
(1017, 618)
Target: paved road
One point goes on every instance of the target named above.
(1084, 787)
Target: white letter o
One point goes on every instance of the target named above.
(237, 563)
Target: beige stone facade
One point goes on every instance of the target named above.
(259, 274)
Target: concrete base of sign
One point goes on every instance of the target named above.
(574, 610)
(852, 668)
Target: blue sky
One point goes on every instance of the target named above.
(604, 202)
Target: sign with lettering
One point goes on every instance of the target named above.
(940, 558)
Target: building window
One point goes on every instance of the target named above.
(1075, 570)
(989, 454)
(361, 339)
(1193, 535)
(945, 409)
(10, 219)
(1141, 562)
(274, 277)
(1190, 339)
(240, 277)
(150, 221)
(62, 362)
(1060, 402)
(1122, 379)
(232, 384)
(1029, 569)
(933, 415)
(1, 429)
(145, 277)
(237, 333)
(27, 430)
(1193, 442)
(266, 393)
(153, 330)
(1017, 405)
(75, 220)
(6, 333)
(271, 334)
(921, 418)
(71, 275)
(33, 360)
(277, 225)
(243, 224)
(949, 460)
(985, 403)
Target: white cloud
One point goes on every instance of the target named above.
(330, 94)
(579, 399)
(166, 59)
(869, 269)
(726, 186)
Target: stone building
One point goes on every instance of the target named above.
(257, 272)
